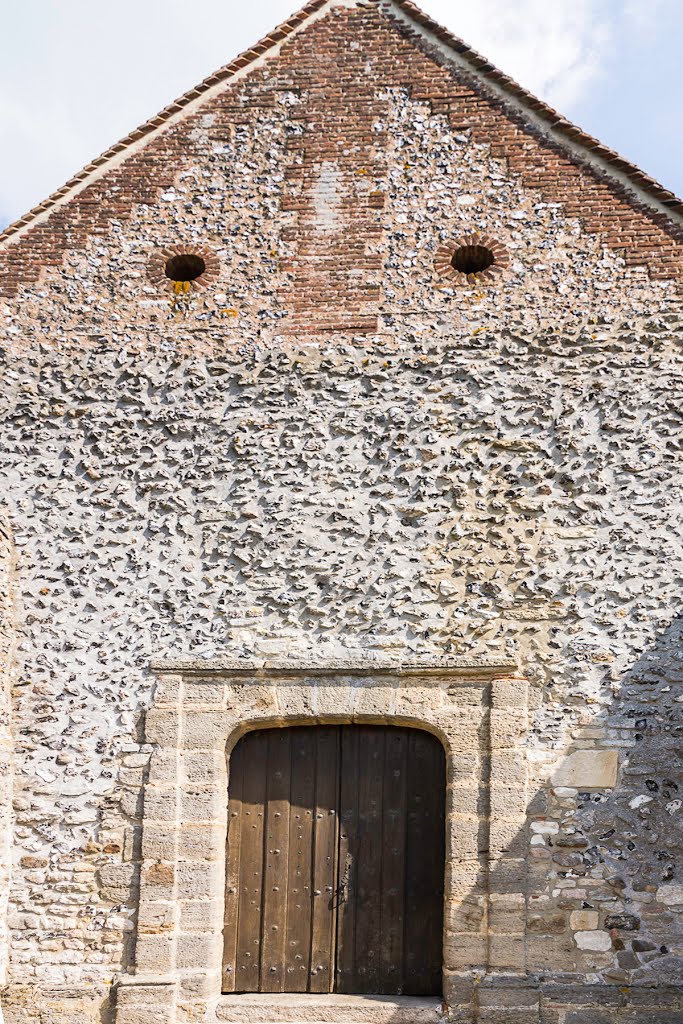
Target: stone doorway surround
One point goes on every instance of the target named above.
(477, 708)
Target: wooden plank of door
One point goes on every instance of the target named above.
(232, 868)
(425, 851)
(325, 869)
(393, 861)
(369, 860)
(348, 850)
(300, 881)
(248, 959)
(274, 927)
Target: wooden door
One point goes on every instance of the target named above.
(282, 861)
(335, 861)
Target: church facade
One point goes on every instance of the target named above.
(341, 556)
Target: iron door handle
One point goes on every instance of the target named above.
(341, 894)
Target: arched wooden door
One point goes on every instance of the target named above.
(335, 861)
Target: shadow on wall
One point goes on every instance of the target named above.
(584, 917)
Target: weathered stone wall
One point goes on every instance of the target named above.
(487, 472)
(7, 645)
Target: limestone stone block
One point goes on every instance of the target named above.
(466, 915)
(509, 693)
(161, 804)
(463, 695)
(464, 951)
(201, 915)
(203, 768)
(506, 726)
(547, 924)
(507, 913)
(162, 726)
(157, 917)
(117, 881)
(464, 800)
(197, 951)
(131, 777)
(375, 701)
(205, 694)
(168, 690)
(155, 953)
(145, 1001)
(207, 804)
(507, 953)
(257, 700)
(164, 767)
(507, 874)
(186, 842)
(205, 730)
(294, 701)
(458, 990)
(157, 879)
(421, 703)
(595, 941)
(463, 836)
(463, 730)
(116, 875)
(463, 768)
(201, 841)
(588, 769)
(464, 878)
(556, 950)
(141, 1015)
(129, 802)
(670, 895)
(508, 801)
(509, 769)
(584, 920)
(332, 700)
(198, 880)
(202, 984)
(508, 835)
(160, 842)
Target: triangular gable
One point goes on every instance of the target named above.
(406, 51)
(558, 128)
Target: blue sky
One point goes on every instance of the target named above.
(75, 75)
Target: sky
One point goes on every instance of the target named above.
(77, 75)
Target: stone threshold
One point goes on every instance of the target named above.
(290, 1008)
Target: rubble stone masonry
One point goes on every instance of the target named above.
(330, 458)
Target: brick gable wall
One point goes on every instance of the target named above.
(339, 67)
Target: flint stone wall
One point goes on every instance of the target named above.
(7, 644)
(420, 472)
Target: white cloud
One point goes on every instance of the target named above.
(648, 17)
(555, 48)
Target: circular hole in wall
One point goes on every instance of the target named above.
(184, 267)
(472, 259)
